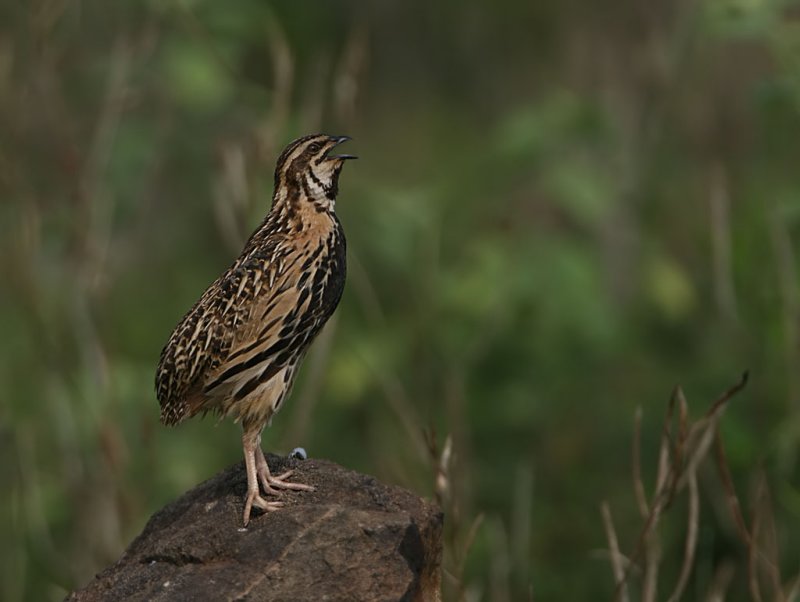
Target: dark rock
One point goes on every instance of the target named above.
(353, 538)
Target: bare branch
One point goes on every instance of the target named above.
(752, 558)
(678, 461)
(663, 452)
(621, 588)
(726, 396)
(794, 590)
(769, 557)
(692, 523)
(730, 490)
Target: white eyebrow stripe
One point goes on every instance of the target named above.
(301, 149)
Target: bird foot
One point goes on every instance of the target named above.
(255, 500)
(272, 484)
(258, 473)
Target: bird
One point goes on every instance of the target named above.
(236, 352)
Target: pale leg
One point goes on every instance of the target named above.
(252, 451)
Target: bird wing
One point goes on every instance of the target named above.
(266, 338)
(225, 335)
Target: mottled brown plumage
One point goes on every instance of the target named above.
(237, 350)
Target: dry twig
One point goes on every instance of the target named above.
(621, 592)
(692, 523)
(681, 451)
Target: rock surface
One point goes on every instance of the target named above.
(353, 538)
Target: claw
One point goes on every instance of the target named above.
(280, 483)
(254, 499)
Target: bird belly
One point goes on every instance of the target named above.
(252, 398)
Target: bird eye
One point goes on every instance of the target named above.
(314, 147)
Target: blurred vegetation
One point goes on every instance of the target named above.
(561, 210)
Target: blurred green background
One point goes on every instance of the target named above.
(561, 210)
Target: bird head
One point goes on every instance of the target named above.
(309, 166)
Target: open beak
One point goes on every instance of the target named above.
(337, 140)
